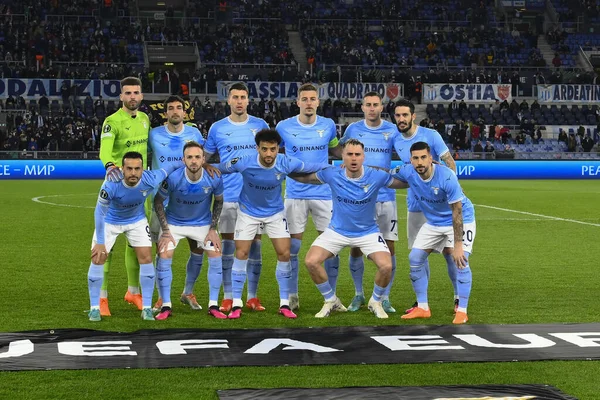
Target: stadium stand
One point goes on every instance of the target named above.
(414, 42)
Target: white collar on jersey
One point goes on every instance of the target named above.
(262, 166)
(187, 178)
(413, 135)
(432, 174)
(362, 173)
(134, 186)
(239, 123)
(372, 128)
(307, 125)
(170, 132)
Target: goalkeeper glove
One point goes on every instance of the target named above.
(113, 173)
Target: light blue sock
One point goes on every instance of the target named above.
(215, 276)
(388, 289)
(378, 292)
(283, 273)
(357, 269)
(427, 270)
(294, 250)
(332, 267)
(192, 272)
(95, 278)
(227, 257)
(464, 280)
(238, 277)
(452, 272)
(326, 290)
(254, 267)
(418, 274)
(147, 277)
(164, 278)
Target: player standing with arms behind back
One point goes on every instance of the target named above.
(233, 137)
(167, 143)
(124, 131)
(411, 133)
(310, 138)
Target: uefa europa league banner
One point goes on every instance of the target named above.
(469, 92)
(335, 91)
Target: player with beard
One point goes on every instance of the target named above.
(124, 131)
(167, 143)
(411, 133)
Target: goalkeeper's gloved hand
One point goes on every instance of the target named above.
(113, 173)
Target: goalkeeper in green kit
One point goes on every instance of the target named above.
(125, 130)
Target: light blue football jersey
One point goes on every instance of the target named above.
(190, 201)
(402, 146)
(435, 194)
(261, 189)
(379, 146)
(167, 146)
(309, 143)
(233, 140)
(354, 200)
(124, 205)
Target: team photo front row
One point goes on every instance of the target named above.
(189, 199)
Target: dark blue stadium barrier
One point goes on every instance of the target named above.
(93, 169)
(474, 169)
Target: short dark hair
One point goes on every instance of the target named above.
(130, 81)
(191, 144)
(420, 146)
(406, 103)
(132, 155)
(239, 86)
(373, 94)
(354, 142)
(174, 99)
(267, 135)
(306, 88)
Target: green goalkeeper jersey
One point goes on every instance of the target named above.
(121, 133)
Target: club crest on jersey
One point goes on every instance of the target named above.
(366, 187)
(386, 135)
(320, 132)
(253, 131)
(145, 125)
(278, 175)
(144, 193)
(206, 188)
(436, 190)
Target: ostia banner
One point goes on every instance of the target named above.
(335, 91)
(35, 88)
(469, 92)
(573, 94)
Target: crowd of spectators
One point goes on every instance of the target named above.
(401, 46)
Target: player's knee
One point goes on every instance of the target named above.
(312, 263)
(417, 257)
(385, 267)
(165, 255)
(283, 255)
(355, 252)
(242, 254)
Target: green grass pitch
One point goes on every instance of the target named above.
(534, 261)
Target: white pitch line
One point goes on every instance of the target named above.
(538, 215)
(544, 217)
(37, 200)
